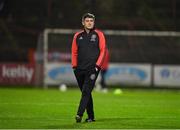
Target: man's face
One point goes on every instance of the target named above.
(88, 23)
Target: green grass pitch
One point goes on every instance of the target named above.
(135, 109)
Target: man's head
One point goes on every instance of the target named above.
(88, 21)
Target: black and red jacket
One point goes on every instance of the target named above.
(88, 49)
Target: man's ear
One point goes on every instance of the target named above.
(82, 23)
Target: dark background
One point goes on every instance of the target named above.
(21, 21)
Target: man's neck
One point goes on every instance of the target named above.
(87, 30)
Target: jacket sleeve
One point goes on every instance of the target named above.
(102, 47)
(74, 52)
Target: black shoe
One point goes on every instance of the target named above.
(78, 118)
(89, 120)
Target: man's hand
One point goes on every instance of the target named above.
(97, 68)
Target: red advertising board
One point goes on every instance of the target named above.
(17, 74)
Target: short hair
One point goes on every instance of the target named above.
(88, 15)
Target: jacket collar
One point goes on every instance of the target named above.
(90, 30)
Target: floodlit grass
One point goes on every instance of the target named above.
(135, 108)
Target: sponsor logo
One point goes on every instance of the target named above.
(127, 73)
(92, 76)
(93, 38)
(81, 38)
(54, 73)
(17, 72)
(167, 73)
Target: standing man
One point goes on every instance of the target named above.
(88, 52)
(103, 72)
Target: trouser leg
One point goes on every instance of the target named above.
(80, 80)
(103, 84)
(87, 88)
(90, 108)
(86, 92)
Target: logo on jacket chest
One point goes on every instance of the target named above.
(93, 38)
(81, 38)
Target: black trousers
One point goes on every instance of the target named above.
(86, 80)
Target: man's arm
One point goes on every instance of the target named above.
(74, 52)
(102, 47)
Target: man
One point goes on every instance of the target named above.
(88, 51)
(103, 72)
